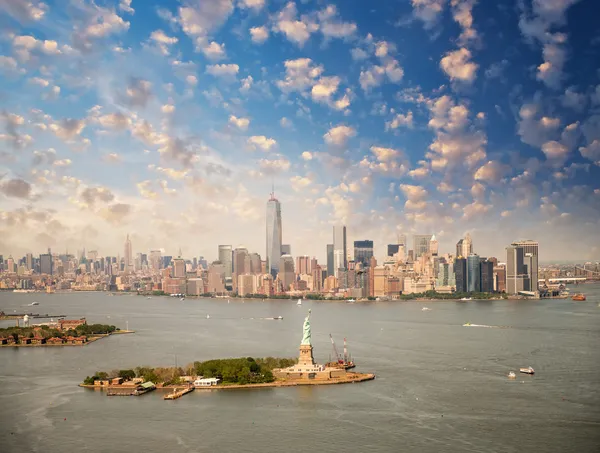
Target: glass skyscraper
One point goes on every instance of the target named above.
(340, 257)
(273, 235)
(363, 251)
(473, 274)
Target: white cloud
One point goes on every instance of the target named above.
(261, 142)
(300, 183)
(202, 17)
(246, 84)
(428, 11)
(167, 109)
(385, 154)
(159, 36)
(274, 165)
(39, 81)
(259, 34)
(574, 100)
(400, 120)
(491, 172)
(223, 70)
(286, 123)
(375, 75)
(125, 6)
(555, 151)
(214, 51)
(591, 151)
(307, 155)
(240, 123)
(191, 80)
(24, 10)
(359, 54)
(475, 209)
(462, 14)
(300, 74)
(254, 4)
(296, 31)
(332, 26)
(413, 193)
(457, 65)
(339, 135)
(8, 64)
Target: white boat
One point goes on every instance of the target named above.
(278, 317)
(182, 299)
(512, 375)
(299, 302)
(34, 303)
(148, 297)
(207, 316)
(527, 370)
(425, 309)
(466, 298)
(351, 301)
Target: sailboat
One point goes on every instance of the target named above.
(299, 302)
(207, 316)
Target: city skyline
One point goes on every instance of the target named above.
(172, 122)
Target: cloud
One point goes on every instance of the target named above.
(261, 142)
(359, 54)
(300, 74)
(428, 11)
(90, 196)
(191, 80)
(214, 51)
(24, 10)
(138, 92)
(413, 193)
(475, 209)
(491, 172)
(145, 190)
(286, 123)
(113, 158)
(307, 155)
(496, 70)
(385, 154)
(296, 31)
(240, 123)
(274, 166)
(254, 4)
(339, 135)
(555, 152)
(574, 100)
(8, 64)
(163, 41)
(458, 67)
(259, 34)
(591, 151)
(400, 120)
(200, 18)
(125, 6)
(67, 129)
(17, 188)
(225, 71)
(115, 121)
(462, 14)
(332, 26)
(116, 213)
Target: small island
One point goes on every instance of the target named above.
(64, 332)
(238, 373)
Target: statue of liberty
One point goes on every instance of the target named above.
(306, 330)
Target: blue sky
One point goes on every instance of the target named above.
(171, 120)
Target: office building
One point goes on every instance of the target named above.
(363, 251)
(178, 268)
(46, 264)
(226, 259)
(128, 256)
(473, 273)
(460, 273)
(530, 261)
(255, 264)
(286, 271)
(286, 249)
(516, 275)
(392, 249)
(433, 246)
(487, 276)
(340, 253)
(303, 264)
(330, 259)
(155, 260)
(420, 245)
(464, 247)
(240, 260)
(274, 232)
(29, 261)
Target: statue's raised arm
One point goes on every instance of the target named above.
(306, 330)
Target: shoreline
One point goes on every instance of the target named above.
(91, 339)
(351, 379)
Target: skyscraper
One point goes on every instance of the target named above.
(467, 245)
(433, 246)
(363, 251)
(46, 264)
(225, 257)
(329, 259)
(155, 260)
(392, 249)
(460, 274)
(178, 268)
(286, 271)
(340, 257)
(473, 274)
(487, 276)
(273, 235)
(530, 260)
(240, 256)
(128, 255)
(515, 270)
(421, 244)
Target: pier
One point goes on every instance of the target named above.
(178, 393)
(31, 315)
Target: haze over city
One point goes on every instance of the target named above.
(171, 122)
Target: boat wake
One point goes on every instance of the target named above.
(484, 325)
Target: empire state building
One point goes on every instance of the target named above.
(273, 235)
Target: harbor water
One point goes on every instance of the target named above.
(440, 386)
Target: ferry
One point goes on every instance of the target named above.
(467, 298)
(579, 297)
(527, 370)
(350, 301)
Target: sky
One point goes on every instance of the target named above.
(171, 121)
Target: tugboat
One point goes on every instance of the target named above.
(579, 297)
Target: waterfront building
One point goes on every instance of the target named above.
(286, 271)
(516, 275)
(240, 260)
(460, 272)
(340, 254)
(330, 284)
(415, 285)
(531, 268)
(487, 276)
(195, 286)
(226, 259)
(363, 251)
(255, 264)
(274, 232)
(330, 259)
(473, 273)
(216, 278)
(155, 260)
(500, 278)
(246, 284)
(265, 284)
(421, 244)
(317, 278)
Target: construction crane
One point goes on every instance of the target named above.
(338, 358)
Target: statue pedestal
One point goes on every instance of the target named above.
(306, 356)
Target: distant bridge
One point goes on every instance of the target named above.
(566, 280)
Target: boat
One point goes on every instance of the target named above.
(207, 316)
(512, 375)
(182, 299)
(34, 303)
(299, 302)
(425, 309)
(148, 297)
(278, 317)
(578, 297)
(527, 370)
(467, 324)
(467, 298)
(350, 301)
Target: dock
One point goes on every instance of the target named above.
(178, 393)
(31, 315)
